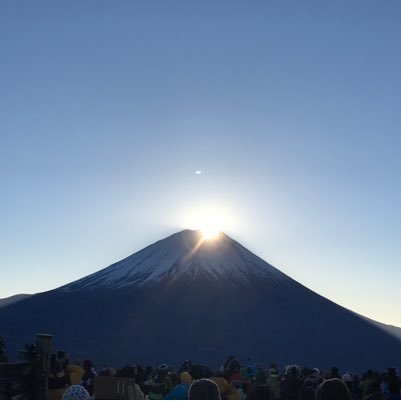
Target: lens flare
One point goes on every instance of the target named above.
(209, 233)
(210, 220)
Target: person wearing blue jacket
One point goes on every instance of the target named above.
(180, 391)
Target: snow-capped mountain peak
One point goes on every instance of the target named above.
(183, 253)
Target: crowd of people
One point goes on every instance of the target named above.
(233, 381)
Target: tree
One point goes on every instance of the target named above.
(3, 357)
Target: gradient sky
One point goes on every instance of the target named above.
(291, 110)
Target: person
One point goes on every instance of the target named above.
(227, 390)
(58, 379)
(333, 389)
(75, 392)
(375, 392)
(349, 381)
(88, 377)
(273, 383)
(76, 372)
(315, 375)
(231, 366)
(180, 391)
(365, 384)
(239, 383)
(63, 359)
(394, 389)
(160, 382)
(334, 373)
(308, 389)
(185, 367)
(260, 391)
(204, 389)
(291, 383)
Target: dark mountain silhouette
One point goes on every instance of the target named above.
(13, 299)
(186, 298)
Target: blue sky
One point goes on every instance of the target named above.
(289, 108)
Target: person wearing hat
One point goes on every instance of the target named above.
(180, 391)
(227, 390)
(160, 383)
(333, 389)
(273, 383)
(349, 381)
(204, 389)
(75, 392)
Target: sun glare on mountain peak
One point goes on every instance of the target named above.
(210, 220)
(210, 233)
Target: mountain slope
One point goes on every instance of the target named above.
(183, 253)
(13, 299)
(176, 300)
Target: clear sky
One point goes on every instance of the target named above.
(290, 109)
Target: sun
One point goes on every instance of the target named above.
(209, 225)
(210, 220)
(210, 233)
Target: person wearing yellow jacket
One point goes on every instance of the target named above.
(75, 373)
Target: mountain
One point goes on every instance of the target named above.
(182, 256)
(13, 299)
(186, 298)
(393, 330)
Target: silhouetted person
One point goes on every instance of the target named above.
(273, 383)
(231, 366)
(333, 389)
(292, 383)
(350, 383)
(185, 367)
(260, 392)
(375, 392)
(88, 377)
(334, 373)
(308, 390)
(204, 389)
(366, 383)
(63, 359)
(180, 391)
(394, 389)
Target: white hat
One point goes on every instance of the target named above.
(347, 378)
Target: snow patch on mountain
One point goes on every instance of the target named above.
(182, 253)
